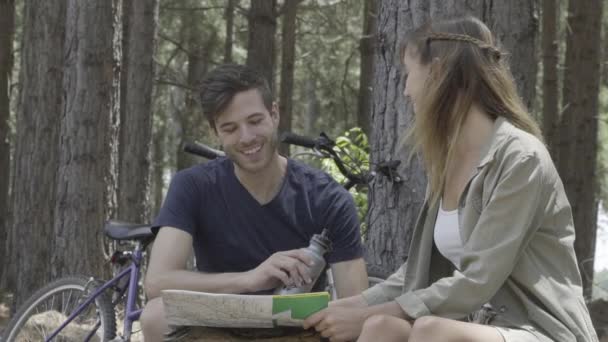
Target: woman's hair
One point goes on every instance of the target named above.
(467, 68)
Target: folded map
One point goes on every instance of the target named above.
(193, 308)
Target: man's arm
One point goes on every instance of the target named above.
(167, 269)
(350, 277)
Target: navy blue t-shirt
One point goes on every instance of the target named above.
(232, 232)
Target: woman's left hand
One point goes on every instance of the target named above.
(338, 323)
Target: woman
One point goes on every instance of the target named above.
(492, 255)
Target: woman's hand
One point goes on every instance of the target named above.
(339, 322)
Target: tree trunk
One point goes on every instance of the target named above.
(86, 194)
(550, 75)
(158, 156)
(7, 26)
(366, 49)
(514, 23)
(229, 16)
(205, 334)
(605, 54)
(578, 129)
(393, 206)
(262, 29)
(312, 105)
(36, 148)
(288, 35)
(192, 120)
(136, 118)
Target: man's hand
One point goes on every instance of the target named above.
(338, 322)
(288, 267)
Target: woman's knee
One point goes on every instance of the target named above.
(388, 327)
(374, 323)
(425, 328)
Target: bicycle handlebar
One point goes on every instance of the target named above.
(203, 150)
(298, 140)
(324, 144)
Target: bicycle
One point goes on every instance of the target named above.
(62, 311)
(43, 316)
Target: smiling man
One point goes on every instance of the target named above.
(247, 216)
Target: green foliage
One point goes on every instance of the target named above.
(327, 65)
(353, 148)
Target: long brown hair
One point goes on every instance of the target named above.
(467, 68)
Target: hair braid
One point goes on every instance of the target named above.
(467, 39)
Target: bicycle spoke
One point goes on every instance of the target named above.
(71, 308)
(52, 303)
(41, 330)
(48, 309)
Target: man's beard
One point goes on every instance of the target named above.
(270, 145)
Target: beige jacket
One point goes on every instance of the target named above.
(517, 232)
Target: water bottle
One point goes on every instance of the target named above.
(319, 245)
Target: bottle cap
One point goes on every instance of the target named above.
(323, 240)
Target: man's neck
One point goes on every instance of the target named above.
(264, 184)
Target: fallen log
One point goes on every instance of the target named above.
(207, 334)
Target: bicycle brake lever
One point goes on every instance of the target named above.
(389, 169)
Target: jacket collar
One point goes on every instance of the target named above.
(498, 136)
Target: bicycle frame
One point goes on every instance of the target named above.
(132, 313)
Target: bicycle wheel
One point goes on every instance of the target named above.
(48, 308)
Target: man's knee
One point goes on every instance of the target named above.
(152, 320)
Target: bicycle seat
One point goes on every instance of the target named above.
(119, 230)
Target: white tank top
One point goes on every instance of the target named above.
(447, 235)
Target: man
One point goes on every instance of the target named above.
(248, 215)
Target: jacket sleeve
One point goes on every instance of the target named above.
(491, 252)
(386, 290)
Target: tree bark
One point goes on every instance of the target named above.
(366, 75)
(7, 26)
(192, 120)
(36, 157)
(312, 105)
(158, 156)
(86, 195)
(229, 16)
(514, 23)
(287, 69)
(262, 29)
(550, 74)
(393, 206)
(254, 334)
(136, 115)
(578, 128)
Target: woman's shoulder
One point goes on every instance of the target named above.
(516, 140)
(515, 146)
